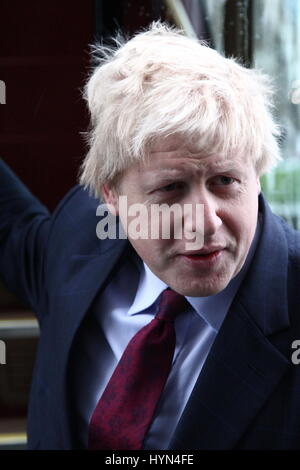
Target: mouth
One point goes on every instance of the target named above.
(206, 255)
(204, 251)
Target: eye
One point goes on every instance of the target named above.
(171, 187)
(223, 180)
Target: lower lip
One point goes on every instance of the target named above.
(204, 260)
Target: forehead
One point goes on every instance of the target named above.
(172, 143)
(180, 153)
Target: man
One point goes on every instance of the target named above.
(174, 124)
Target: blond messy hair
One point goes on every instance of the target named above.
(160, 83)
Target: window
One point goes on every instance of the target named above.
(265, 34)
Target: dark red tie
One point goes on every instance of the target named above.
(126, 408)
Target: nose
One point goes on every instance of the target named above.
(211, 217)
(205, 215)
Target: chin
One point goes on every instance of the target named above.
(201, 289)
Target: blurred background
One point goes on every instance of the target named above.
(44, 62)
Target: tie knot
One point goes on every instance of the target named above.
(171, 304)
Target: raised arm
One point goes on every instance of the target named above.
(24, 227)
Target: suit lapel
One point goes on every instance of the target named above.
(243, 366)
(240, 373)
(89, 275)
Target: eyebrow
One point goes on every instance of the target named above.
(224, 166)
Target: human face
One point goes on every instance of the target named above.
(228, 188)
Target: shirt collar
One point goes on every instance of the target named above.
(212, 309)
(149, 289)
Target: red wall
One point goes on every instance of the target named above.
(43, 62)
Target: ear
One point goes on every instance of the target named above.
(110, 197)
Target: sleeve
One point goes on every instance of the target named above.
(24, 228)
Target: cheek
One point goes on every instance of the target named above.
(153, 252)
(241, 219)
(247, 221)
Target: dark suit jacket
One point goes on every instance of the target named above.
(248, 393)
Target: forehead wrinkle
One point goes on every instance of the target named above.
(178, 166)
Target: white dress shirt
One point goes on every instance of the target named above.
(128, 303)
